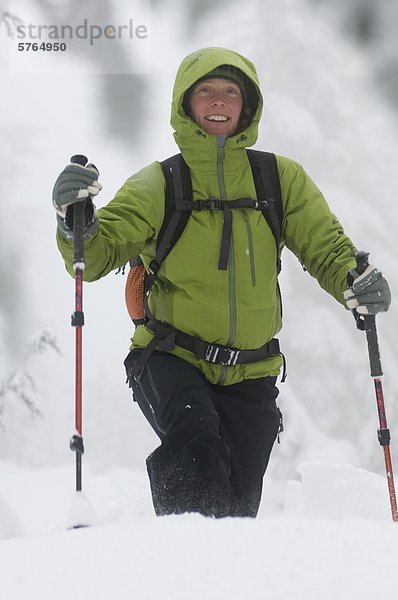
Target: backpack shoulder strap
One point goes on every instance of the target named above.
(266, 180)
(178, 190)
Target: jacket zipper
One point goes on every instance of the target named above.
(165, 289)
(251, 245)
(231, 262)
(162, 289)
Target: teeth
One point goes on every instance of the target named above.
(217, 118)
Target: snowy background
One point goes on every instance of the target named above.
(329, 76)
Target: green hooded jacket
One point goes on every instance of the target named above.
(239, 307)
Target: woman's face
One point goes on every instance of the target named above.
(216, 105)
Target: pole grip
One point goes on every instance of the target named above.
(79, 221)
(373, 346)
(368, 323)
(362, 264)
(362, 261)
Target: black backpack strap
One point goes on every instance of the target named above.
(178, 189)
(268, 189)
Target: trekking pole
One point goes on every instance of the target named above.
(76, 442)
(367, 323)
(81, 515)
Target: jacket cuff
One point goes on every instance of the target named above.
(67, 233)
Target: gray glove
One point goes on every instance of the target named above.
(76, 184)
(369, 293)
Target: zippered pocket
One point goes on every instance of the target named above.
(250, 246)
(164, 291)
(161, 300)
(147, 397)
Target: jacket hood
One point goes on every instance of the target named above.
(196, 66)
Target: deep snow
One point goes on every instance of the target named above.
(334, 539)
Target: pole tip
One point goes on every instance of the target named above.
(81, 513)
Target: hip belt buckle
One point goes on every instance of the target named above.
(221, 355)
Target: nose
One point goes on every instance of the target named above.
(218, 99)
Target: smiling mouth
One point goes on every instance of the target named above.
(218, 118)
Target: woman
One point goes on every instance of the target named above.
(217, 421)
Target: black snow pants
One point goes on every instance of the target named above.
(215, 440)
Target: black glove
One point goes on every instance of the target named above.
(369, 293)
(76, 184)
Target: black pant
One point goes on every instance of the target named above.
(216, 440)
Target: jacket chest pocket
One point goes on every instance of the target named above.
(250, 245)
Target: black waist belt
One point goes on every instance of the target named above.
(167, 337)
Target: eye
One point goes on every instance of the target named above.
(233, 91)
(203, 89)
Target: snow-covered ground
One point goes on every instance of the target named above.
(324, 529)
(334, 539)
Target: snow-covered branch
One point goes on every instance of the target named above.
(19, 385)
